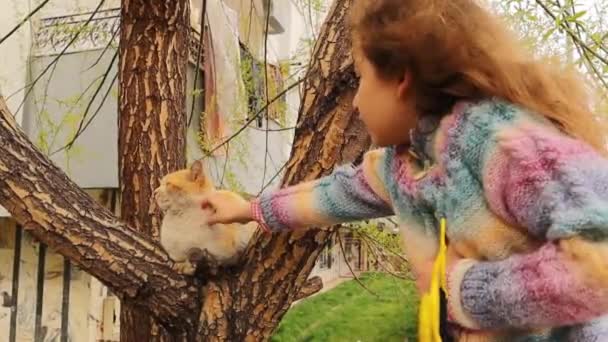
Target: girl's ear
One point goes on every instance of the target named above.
(197, 174)
(405, 84)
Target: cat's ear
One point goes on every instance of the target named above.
(197, 173)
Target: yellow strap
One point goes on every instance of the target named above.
(429, 315)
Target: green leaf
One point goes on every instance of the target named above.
(548, 33)
(576, 16)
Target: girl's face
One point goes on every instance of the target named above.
(386, 107)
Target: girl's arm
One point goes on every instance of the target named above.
(348, 194)
(557, 188)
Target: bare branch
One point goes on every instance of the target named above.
(31, 85)
(274, 129)
(397, 254)
(86, 111)
(351, 269)
(266, 84)
(105, 49)
(198, 60)
(570, 33)
(374, 251)
(86, 125)
(312, 286)
(225, 165)
(254, 117)
(276, 175)
(584, 54)
(23, 21)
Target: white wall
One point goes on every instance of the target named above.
(64, 7)
(14, 52)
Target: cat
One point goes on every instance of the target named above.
(184, 229)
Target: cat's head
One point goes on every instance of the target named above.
(179, 189)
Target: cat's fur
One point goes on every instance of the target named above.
(184, 228)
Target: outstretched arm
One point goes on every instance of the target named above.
(348, 194)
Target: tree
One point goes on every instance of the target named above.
(276, 268)
(154, 37)
(243, 303)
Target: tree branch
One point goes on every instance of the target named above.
(197, 66)
(312, 286)
(31, 85)
(268, 10)
(572, 35)
(23, 21)
(351, 269)
(56, 211)
(250, 120)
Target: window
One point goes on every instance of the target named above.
(326, 256)
(252, 72)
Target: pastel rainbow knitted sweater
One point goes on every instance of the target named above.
(526, 206)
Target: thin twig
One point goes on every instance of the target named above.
(86, 125)
(274, 129)
(225, 164)
(44, 103)
(105, 49)
(570, 33)
(23, 21)
(580, 27)
(254, 117)
(351, 269)
(368, 236)
(587, 60)
(198, 60)
(56, 59)
(266, 86)
(274, 177)
(90, 104)
(312, 25)
(251, 7)
(378, 259)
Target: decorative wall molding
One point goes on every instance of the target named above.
(55, 33)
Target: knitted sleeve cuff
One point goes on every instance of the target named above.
(258, 215)
(456, 311)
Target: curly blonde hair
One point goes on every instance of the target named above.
(457, 49)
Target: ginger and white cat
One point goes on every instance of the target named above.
(184, 228)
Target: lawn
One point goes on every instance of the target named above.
(350, 313)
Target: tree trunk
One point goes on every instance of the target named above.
(152, 124)
(249, 306)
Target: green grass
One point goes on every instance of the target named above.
(350, 313)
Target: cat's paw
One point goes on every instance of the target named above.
(203, 256)
(185, 267)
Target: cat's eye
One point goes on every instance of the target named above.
(172, 187)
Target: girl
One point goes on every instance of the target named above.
(501, 145)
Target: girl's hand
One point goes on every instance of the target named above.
(227, 207)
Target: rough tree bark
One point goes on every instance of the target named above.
(152, 123)
(54, 210)
(249, 306)
(245, 303)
